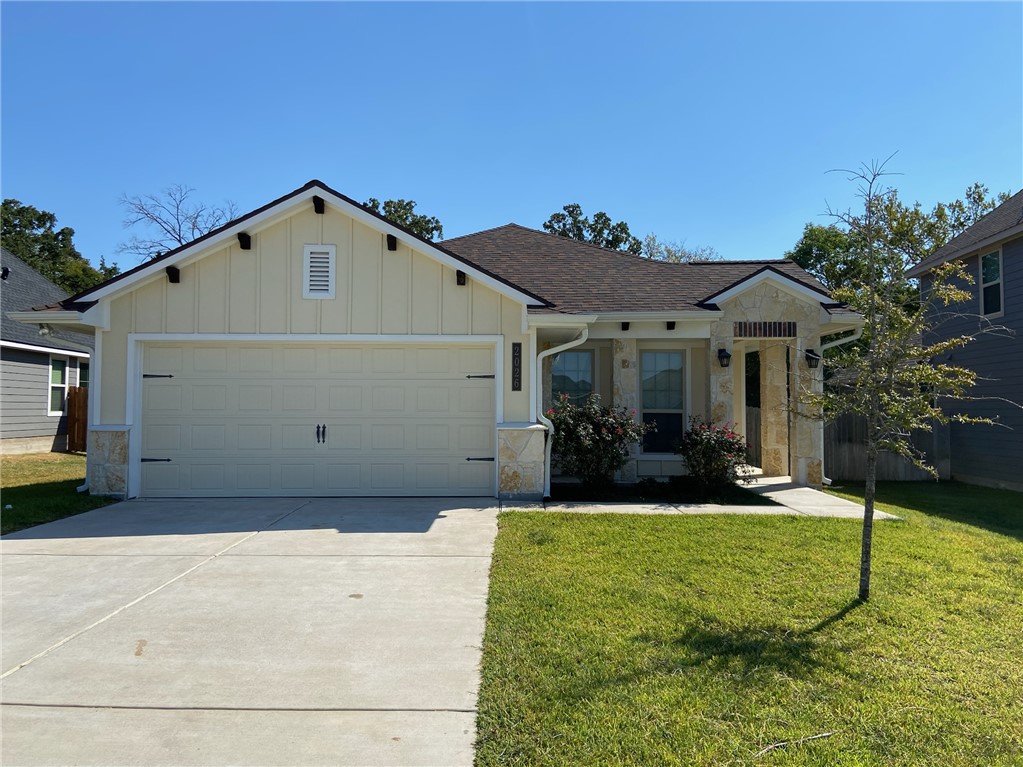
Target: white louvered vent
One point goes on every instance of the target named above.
(319, 270)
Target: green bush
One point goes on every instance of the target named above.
(715, 456)
(592, 442)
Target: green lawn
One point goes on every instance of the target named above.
(41, 488)
(702, 640)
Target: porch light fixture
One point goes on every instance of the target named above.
(724, 357)
(813, 359)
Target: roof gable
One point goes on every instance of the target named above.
(1003, 222)
(769, 273)
(279, 209)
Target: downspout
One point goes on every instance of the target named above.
(581, 338)
(824, 347)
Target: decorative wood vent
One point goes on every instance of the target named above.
(764, 330)
(319, 270)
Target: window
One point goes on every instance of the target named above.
(83, 375)
(319, 271)
(662, 399)
(991, 283)
(572, 374)
(58, 385)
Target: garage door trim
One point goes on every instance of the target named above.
(135, 369)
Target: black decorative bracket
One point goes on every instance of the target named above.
(392, 242)
(244, 240)
(173, 274)
(459, 277)
(318, 205)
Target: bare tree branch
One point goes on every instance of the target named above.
(170, 219)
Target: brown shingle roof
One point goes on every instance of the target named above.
(581, 278)
(1006, 217)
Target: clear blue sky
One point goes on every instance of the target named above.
(710, 123)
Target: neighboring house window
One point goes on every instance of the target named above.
(991, 283)
(662, 399)
(572, 374)
(83, 375)
(320, 273)
(58, 385)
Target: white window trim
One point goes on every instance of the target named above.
(982, 284)
(307, 253)
(50, 386)
(687, 386)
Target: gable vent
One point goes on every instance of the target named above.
(319, 270)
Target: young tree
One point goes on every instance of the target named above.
(894, 379)
(599, 230)
(169, 219)
(31, 235)
(403, 213)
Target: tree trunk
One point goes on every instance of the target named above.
(868, 524)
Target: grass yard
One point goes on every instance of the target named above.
(40, 487)
(703, 640)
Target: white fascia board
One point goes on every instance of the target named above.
(65, 319)
(973, 250)
(286, 208)
(44, 349)
(561, 320)
(698, 315)
(790, 286)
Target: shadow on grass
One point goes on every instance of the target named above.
(740, 652)
(1000, 511)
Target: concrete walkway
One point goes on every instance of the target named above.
(792, 500)
(246, 632)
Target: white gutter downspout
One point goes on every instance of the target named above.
(581, 338)
(831, 345)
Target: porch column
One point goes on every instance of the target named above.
(774, 407)
(722, 380)
(625, 391)
(806, 444)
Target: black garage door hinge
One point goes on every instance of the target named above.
(157, 375)
(480, 459)
(472, 376)
(156, 460)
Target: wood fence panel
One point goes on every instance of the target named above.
(77, 418)
(845, 452)
(752, 435)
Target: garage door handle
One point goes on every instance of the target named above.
(324, 434)
(317, 434)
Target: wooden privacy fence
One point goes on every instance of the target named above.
(77, 418)
(845, 453)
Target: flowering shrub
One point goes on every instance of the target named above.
(592, 442)
(715, 455)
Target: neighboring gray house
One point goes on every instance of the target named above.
(992, 251)
(35, 370)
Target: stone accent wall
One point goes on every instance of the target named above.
(108, 462)
(774, 409)
(806, 443)
(625, 391)
(520, 459)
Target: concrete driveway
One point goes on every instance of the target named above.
(247, 632)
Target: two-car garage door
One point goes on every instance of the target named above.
(294, 419)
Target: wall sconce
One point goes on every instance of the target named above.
(813, 359)
(724, 357)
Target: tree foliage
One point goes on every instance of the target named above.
(832, 254)
(894, 379)
(403, 213)
(169, 220)
(31, 235)
(676, 252)
(600, 230)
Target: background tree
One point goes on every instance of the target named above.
(168, 220)
(31, 235)
(892, 379)
(599, 230)
(676, 252)
(403, 213)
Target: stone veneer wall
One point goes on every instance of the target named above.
(625, 392)
(520, 462)
(108, 462)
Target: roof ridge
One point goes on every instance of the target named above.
(482, 231)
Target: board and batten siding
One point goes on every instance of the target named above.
(25, 394)
(992, 454)
(259, 291)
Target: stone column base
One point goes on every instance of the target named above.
(108, 461)
(520, 461)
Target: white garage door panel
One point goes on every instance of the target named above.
(242, 420)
